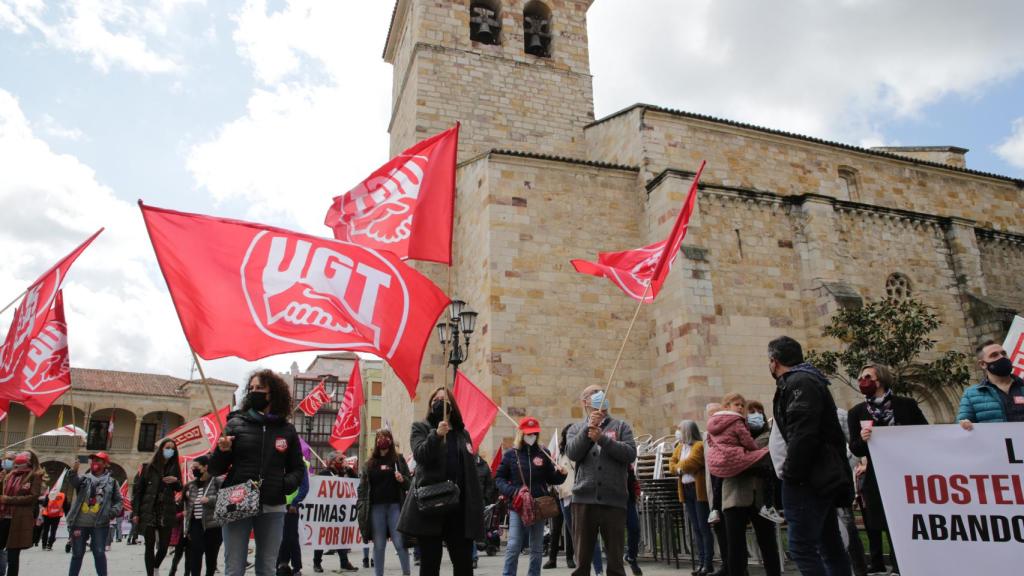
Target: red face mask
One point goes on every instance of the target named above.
(867, 386)
(97, 468)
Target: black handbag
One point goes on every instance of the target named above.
(437, 499)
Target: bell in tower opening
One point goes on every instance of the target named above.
(537, 29)
(485, 21)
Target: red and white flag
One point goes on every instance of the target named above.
(5, 409)
(30, 360)
(316, 398)
(640, 273)
(347, 425)
(249, 290)
(405, 206)
(477, 409)
(196, 438)
(126, 497)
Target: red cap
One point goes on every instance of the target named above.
(100, 456)
(22, 459)
(529, 425)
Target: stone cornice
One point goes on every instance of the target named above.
(766, 197)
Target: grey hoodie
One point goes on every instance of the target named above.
(602, 468)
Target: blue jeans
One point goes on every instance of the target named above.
(384, 520)
(567, 518)
(268, 528)
(517, 532)
(98, 534)
(632, 530)
(697, 515)
(815, 544)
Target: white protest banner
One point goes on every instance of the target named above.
(954, 499)
(327, 519)
(1014, 345)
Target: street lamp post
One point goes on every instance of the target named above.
(461, 322)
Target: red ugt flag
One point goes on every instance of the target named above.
(25, 360)
(316, 398)
(406, 205)
(126, 497)
(347, 424)
(248, 290)
(478, 410)
(634, 270)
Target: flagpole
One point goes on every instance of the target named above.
(626, 339)
(209, 394)
(13, 302)
(71, 394)
(516, 425)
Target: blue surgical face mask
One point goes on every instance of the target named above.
(755, 420)
(168, 453)
(598, 401)
(8, 464)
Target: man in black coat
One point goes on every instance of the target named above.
(815, 477)
(880, 408)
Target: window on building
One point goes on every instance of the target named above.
(374, 423)
(97, 436)
(375, 388)
(848, 187)
(537, 29)
(147, 436)
(898, 287)
(485, 21)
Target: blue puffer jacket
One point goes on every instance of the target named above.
(981, 403)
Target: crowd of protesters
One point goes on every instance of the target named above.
(806, 464)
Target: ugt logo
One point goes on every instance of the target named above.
(322, 293)
(381, 208)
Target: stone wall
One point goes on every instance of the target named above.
(504, 97)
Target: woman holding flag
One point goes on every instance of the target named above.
(444, 457)
(261, 445)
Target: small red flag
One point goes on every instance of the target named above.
(634, 270)
(405, 206)
(496, 460)
(347, 424)
(249, 290)
(26, 360)
(316, 398)
(126, 497)
(478, 410)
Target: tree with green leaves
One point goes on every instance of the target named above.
(895, 333)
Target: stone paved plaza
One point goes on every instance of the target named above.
(127, 560)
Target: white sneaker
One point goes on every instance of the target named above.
(713, 518)
(772, 514)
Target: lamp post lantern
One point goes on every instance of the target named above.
(461, 321)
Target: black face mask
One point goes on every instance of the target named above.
(258, 401)
(1002, 367)
(197, 473)
(437, 409)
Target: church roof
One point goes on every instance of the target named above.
(555, 158)
(681, 113)
(141, 383)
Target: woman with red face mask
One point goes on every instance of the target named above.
(382, 488)
(21, 487)
(880, 408)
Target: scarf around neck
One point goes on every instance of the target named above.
(881, 408)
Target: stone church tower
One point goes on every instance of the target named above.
(787, 230)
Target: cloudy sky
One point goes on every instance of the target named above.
(266, 109)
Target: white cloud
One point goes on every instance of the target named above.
(108, 32)
(1012, 149)
(835, 70)
(119, 312)
(317, 124)
(51, 127)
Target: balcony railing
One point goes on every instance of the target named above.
(56, 442)
(15, 437)
(121, 444)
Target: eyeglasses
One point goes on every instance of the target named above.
(867, 378)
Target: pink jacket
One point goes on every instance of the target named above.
(730, 449)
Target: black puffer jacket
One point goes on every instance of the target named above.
(154, 500)
(266, 447)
